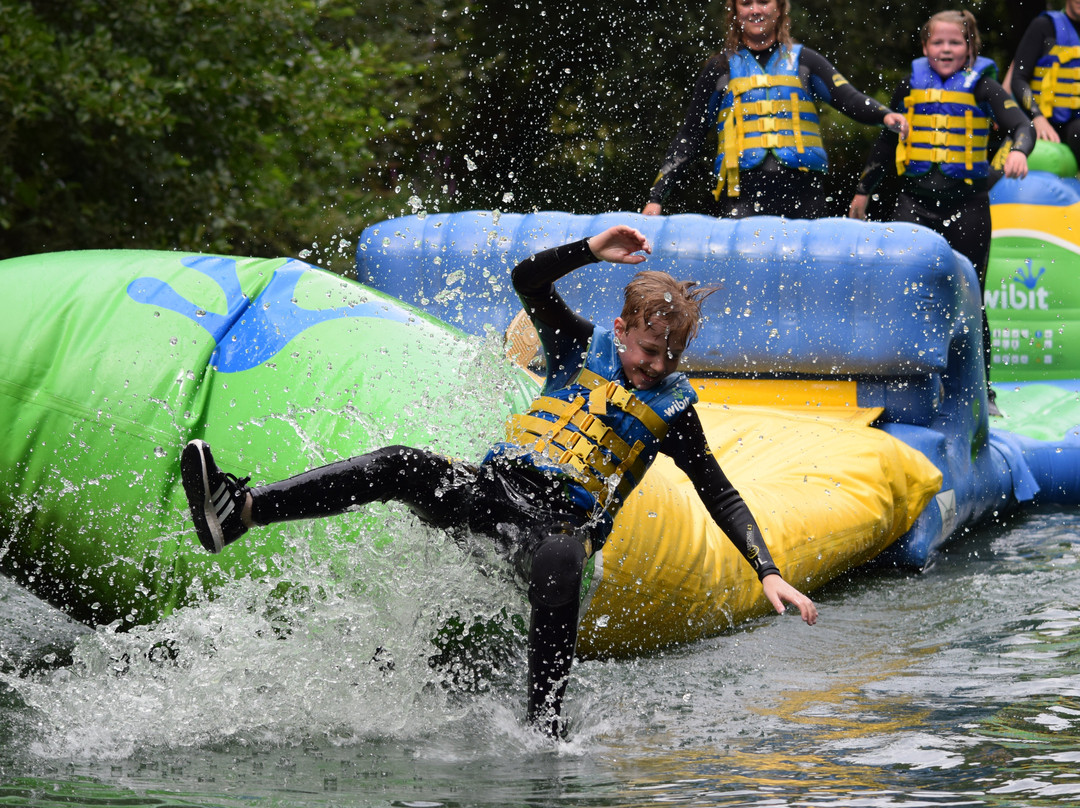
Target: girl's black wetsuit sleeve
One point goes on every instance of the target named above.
(685, 444)
(934, 184)
(817, 74)
(563, 332)
(697, 127)
(1037, 41)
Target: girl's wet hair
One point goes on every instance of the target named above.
(733, 37)
(653, 296)
(965, 20)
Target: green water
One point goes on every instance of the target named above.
(956, 686)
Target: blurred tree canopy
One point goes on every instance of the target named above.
(284, 127)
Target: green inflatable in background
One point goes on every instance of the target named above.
(279, 365)
(1032, 294)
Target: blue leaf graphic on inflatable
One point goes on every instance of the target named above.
(252, 332)
(1029, 279)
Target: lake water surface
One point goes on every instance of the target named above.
(958, 686)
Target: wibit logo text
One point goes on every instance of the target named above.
(676, 406)
(1022, 293)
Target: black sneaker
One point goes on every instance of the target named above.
(215, 497)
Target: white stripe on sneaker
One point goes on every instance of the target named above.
(223, 504)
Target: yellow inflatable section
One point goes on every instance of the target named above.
(829, 491)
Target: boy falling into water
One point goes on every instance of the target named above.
(547, 496)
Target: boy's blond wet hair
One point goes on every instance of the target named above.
(653, 296)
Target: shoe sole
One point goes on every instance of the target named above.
(196, 481)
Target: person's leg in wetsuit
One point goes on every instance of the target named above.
(966, 226)
(554, 592)
(426, 482)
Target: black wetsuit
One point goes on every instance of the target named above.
(526, 511)
(957, 209)
(1037, 41)
(770, 189)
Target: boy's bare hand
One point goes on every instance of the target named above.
(620, 245)
(780, 592)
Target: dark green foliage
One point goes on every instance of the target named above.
(220, 125)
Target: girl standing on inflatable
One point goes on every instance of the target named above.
(759, 95)
(1046, 75)
(943, 164)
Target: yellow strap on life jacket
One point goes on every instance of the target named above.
(935, 95)
(557, 426)
(1060, 73)
(577, 444)
(939, 122)
(1047, 89)
(624, 486)
(796, 124)
(1052, 91)
(780, 106)
(902, 158)
(625, 401)
(953, 140)
(969, 119)
(1066, 53)
(781, 131)
(730, 144)
(744, 84)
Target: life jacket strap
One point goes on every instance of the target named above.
(934, 137)
(554, 428)
(615, 393)
(731, 144)
(936, 95)
(744, 84)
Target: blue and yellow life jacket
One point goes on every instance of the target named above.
(597, 433)
(946, 128)
(1056, 80)
(766, 109)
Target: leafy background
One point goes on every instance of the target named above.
(284, 127)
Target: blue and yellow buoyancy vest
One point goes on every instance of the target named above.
(946, 127)
(596, 432)
(766, 109)
(1056, 79)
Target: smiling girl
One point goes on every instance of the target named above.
(949, 101)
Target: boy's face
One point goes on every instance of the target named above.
(646, 353)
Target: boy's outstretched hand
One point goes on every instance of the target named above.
(779, 592)
(620, 245)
